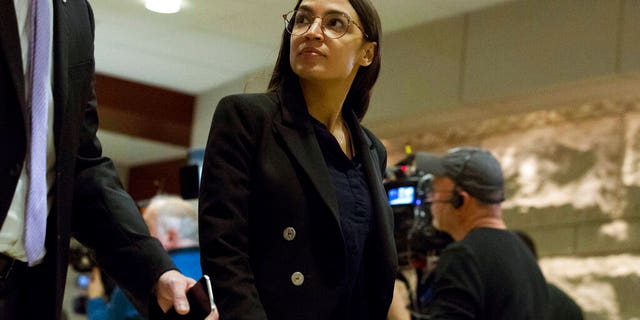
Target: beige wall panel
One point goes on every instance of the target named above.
(553, 216)
(630, 47)
(572, 164)
(606, 287)
(531, 44)
(632, 209)
(554, 241)
(420, 70)
(631, 161)
(621, 235)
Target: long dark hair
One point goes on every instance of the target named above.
(360, 91)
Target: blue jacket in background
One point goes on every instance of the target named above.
(120, 308)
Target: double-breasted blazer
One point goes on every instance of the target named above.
(89, 201)
(270, 230)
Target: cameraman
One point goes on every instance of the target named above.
(487, 273)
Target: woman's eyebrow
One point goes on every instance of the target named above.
(307, 8)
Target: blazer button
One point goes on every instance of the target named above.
(297, 278)
(289, 233)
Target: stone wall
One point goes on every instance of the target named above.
(572, 176)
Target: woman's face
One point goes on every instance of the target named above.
(314, 56)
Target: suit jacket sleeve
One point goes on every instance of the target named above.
(224, 208)
(104, 216)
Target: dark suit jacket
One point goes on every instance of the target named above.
(264, 172)
(89, 199)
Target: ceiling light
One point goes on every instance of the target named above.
(163, 6)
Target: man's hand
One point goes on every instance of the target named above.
(171, 291)
(96, 287)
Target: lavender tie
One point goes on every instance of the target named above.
(36, 213)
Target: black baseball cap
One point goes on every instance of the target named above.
(474, 170)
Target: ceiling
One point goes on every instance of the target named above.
(210, 43)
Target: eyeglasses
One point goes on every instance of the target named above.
(429, 201)
(334, 25)
(430, 196)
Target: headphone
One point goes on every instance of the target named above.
(457, 200)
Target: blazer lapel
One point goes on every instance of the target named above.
(10, 40)
(297, 133)
(305, 149)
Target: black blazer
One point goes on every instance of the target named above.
(263, 174)
(89, 199)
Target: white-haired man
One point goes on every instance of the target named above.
(175, 223)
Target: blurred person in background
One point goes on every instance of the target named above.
(174, 222)
(487, 273)
(54, 180)
(560, 306)
(294, 220)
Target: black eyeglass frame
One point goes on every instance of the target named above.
(349, 20)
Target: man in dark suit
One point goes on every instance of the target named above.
(80, 193)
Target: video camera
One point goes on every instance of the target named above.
(81, 258)
(414, 234)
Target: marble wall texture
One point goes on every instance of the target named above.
(572, 178)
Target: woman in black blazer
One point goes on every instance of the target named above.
(294, 220)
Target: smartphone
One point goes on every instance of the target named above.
(212, 303)
(201, 302)
(201, 296)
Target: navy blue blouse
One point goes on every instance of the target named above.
(354, 201)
